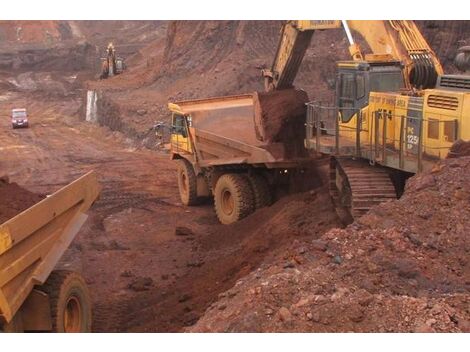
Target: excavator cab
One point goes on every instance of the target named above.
(356, 79)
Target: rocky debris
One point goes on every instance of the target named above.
(141, 284)
(197, 263)
(392, 270)
(184, 297)
(126, 273)
(183, 231)
(459, 148)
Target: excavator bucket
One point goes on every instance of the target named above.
(274, 111)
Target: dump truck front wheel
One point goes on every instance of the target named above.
(233, 198)
(187, 183)
(69, 300)
(261, 193)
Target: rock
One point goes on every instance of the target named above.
(464, 325)
(195, 263)
(184, 297)
(232, 294)
(222, 307)
(316, 317)
(269, 311)
(319, 245)
(114, 245)
(424, 182)
(141, 284)
(285, 315)
(289, 264)
(309, 316)
(141, 112)
(356, 314)
(183, 231)
(461, 194)
(337, 259)
(423, 328)
(165, 276)
(126, 273)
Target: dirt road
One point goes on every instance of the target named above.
(131, 229)
(142, 275)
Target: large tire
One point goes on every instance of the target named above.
(187, 183)
(70, 302)
(233, 198)
(261, 192)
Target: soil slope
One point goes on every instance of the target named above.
(403, 267)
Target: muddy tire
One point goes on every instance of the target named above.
(187, 183)
(70, 302)
(261, 192)
(233, 198)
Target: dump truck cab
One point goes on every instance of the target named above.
(19, 118)
(179, 140)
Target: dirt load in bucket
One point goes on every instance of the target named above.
(403, 267)
(15, 199)
(279, 117)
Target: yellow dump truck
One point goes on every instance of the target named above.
(34, 296)
(227, 148)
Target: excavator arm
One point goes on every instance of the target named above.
(293, 43)
(399, 41)
(388, 40)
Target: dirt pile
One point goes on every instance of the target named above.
(223, 254)
(15, 199)
(402, 267)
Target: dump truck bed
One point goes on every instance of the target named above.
(229, 117)
(223, 131)
(32, 242)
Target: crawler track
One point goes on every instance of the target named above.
(357, 186)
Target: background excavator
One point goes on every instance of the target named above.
(111, 64)
(395, 111)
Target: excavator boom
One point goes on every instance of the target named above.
(293, 43)
(388, 40)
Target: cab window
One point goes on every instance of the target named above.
(347, 85)
(179, 125)
(360, 86)
(450, 131)
(433, 129)
(386, 81)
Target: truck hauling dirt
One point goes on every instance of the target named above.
(34, 234)
(243, 150)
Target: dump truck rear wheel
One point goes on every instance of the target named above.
(70, 302)
(233, 198)
(187, 183)
(261, 193)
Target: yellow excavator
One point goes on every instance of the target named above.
(395, 113)
(111, 64)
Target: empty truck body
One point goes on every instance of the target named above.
(225, 149)
(34, 296)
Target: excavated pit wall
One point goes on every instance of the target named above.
(102, 110)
